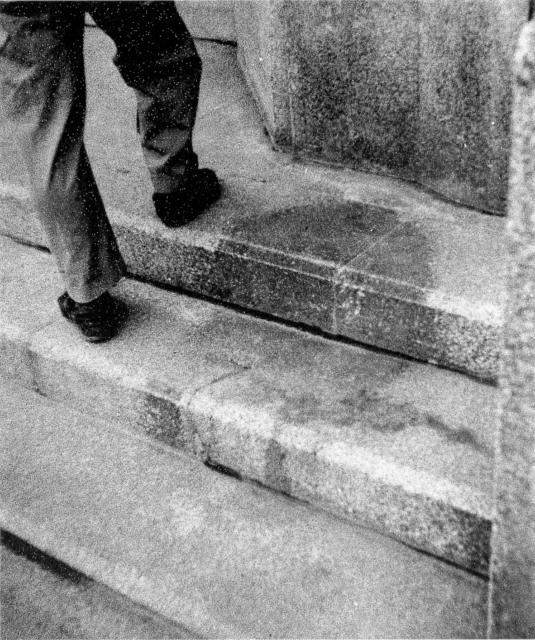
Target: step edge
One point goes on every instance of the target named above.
(196, 411)
(485, 324)
(126, 580)
(122, 572)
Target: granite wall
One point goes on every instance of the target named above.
(418, 89)
(512, 601)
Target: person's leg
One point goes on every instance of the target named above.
(42, 101)
(156, 56)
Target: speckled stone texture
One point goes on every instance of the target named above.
(466, 52)
(43, 598)
(414, 88)
(513, 566)
(223, 558)
(403, 447)
(208, 19)
(371, 258)
(260, 46)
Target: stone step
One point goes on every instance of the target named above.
(43, 598)
(364, 257)
(221, 557)
(400, 446)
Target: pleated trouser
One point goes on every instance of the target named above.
(43, 102)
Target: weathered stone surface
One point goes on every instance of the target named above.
(314, 448)
(208, 19)
(353, 80)
(22, 313)
(393, 318)
(300, 242)
(260, 46)
(223, 558)
(513, 565)
(41, 598)
(237, 274)
(325, 233)
(415, 88)
(18, 219)
(403, 447)
(466, 52)
(411, 291)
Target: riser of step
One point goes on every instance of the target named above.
(221, 557)
(364, 257)
(403, 447)
(362, 306)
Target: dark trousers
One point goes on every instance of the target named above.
(42, 101)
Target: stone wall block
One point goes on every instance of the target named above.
(352, 76)
(512, 600)
(417, 89)
(466, 49)
(261, 57)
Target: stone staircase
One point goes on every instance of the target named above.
(269, 448)
(224, 558)
(354, 255)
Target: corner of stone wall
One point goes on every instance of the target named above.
(512, 589)
(262, 59)
(388, 87)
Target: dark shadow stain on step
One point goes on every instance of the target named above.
(365, 410)
(330, 231)
(459, 436)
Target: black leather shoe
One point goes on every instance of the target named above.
(180, 207)
(98, 320)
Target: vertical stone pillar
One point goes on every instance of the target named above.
(512, 593)
(415, 89)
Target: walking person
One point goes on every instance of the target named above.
(43, 102)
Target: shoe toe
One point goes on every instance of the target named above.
(179, 208)
(99, 320)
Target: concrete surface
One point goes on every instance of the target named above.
(209, 19)
(369, 258)
(414, 88)
(513, 566)
(43, 598)
(402, 446)
(224, 558)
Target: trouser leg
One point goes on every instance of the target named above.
(42, 100)
(156, 56)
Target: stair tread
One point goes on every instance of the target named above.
(42, 598)
(395, 443)
(222, 557)
(364, 256)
